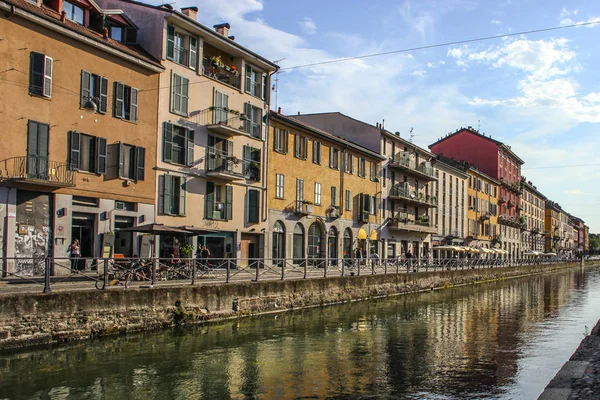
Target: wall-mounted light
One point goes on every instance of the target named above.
(61, 212)
(91, 105)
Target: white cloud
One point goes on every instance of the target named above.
(419, 73)
(567, 18)
(579, 191)
(495, 22)
(421, 21)
(308, 26)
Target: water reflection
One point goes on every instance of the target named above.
(485, 341)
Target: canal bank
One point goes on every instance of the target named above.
(579, 378)
(42, 319)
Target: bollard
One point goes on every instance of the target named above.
(47, 265)
(227, 272)
(105, 274)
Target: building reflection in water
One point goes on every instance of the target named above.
(430, 345)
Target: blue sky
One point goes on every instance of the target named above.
(538, 93)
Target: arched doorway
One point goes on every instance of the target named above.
(298, 244)
(314, 241)
(278, 243)
(347, 245)
(332, 245)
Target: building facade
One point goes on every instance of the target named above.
(211, 148)
(79, 146)
(533, 211)
(498, 161)
(323, 194)
(451, 213)
(407, 183)
(555, 220)
(483, 229)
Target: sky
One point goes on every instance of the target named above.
(539, 92)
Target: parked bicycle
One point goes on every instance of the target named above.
(123, 274)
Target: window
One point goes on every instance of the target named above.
(334, 200)
(74, 13)
(365, 207)
(255, 81)
(316, 152)
(317, 193)
(300, 147)
(373, 173)
(218, 201)
(85, 201)
(384, 176)
(348, 163)
(94, 88)
(251, 163)
(279, 186)
(299, 189)
(253, 202)
(373, 205)
(179, 95)
(87, 153)
(131, 162)
(40, 74)
(126, 102)
(362, 167)
(348, 200)
(280, 140)
(176, 50)
(334, 158)
(193, 52)
(253, 120)
(178, 144)
(171, 195)
(116, 33)
(221, 107)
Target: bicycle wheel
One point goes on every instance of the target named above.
(100, 283)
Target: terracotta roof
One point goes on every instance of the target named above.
(53, 16)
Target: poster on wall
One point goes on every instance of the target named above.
(108, 244)
(146, 246)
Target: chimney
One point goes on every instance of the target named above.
(223, 28)
(63, 16)
(105, 33)
(190, 12)
(278, 110)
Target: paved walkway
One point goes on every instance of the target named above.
(579, 378)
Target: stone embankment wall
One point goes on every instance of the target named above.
(38, 319)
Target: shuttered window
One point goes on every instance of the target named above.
(280, 186)
(40, 74)
(334, 199)
(280, 140)
(218, 202)
(255, 81)
(171, 195)
(316, 152)
(300, 147)
(317, 193)
(170, 42)
(253, 203)
(87, 153)
(125, 102)
(94, 88)
(179, 95)
(178, 144)
(221, 107)
(253, 121)
(193, 52)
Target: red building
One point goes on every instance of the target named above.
(497, 160)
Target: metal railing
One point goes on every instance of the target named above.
(37, 169)
(219, 161)
(46, 274)
(221, 72)
(404, 160)
(406, 192)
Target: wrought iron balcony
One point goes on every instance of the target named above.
(404, 222)
(38, 171)
(214, 68)
(303, 207)
(229, 168)
(484, 216)
(404, 162)
(403, 192)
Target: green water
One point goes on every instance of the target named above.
(502, 340)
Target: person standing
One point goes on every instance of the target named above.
(75, 255)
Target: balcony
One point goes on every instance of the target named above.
(230, 168)
(303, 207)
(404, 162)
(37, 171)
(219, 66)
(484, 216)
(230, 122)
(403, 192)
(404, 222)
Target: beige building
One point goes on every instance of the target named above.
(213, 102)
(407, 183)
(532, 218)
(323, 194)
(78, 148)
(451, 213)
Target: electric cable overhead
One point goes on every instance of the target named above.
(432, 46)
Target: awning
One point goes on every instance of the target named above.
(550, 254)
(373, 235)
(473, 250)
(362, 235)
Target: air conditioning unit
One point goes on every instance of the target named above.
(333, 213)
(307, 208)
(119, 205)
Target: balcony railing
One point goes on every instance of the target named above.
(37, 170)
(405, 221)
(405, 193)
(231, 168)
(404, 161)
(214, 68)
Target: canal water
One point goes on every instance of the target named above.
(502, 340)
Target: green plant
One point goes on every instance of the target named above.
(186, 250)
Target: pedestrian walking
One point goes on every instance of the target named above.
(75, 255)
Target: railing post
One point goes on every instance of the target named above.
(343, 265)
(227, 271)
(282, 271)
(305, 268)
(397, 266)
(358, 262)
(325, 270)
(106, 274)
(193, 271)
(47, 264)
(256, 266)
(385, 265)
(152, 274)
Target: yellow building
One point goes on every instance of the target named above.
(553, 227)
(482, 210)
(323, 193)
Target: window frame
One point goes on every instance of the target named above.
(45, 76)
(255, 79)
(348, 200)
(168, 144)
(318, 190)
(279, 186)
(125, 106)
(181, 95)
(316, 159)
(74, 7)
(95, 88)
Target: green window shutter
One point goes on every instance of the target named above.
(305, 149)
(36, 73)
(167, 142)
(224, 104)
(193, 52)
(248, 86)
(133, 116)
(86, 87)
(246, 161)
(248, 119)
(190, 147)
(264, 89)
(182, 186)
(102, 107)
(168, 195)
(121, 160)
(216, 104)
(209, 199)
(184, 95)
(140, 162)
(119, 93)
(170, 42)
(228, 202)
(277, 139)
(175, 93)
(331, 157)
(286, 136)
(253, 206)
(296, 145)
(211, 153)
(101, 155)
(74, 147)
(361, 206)
(161, 195)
